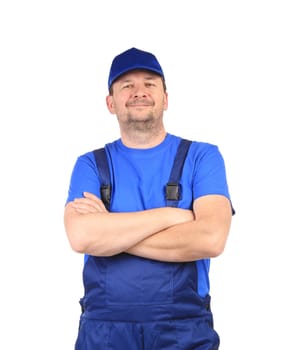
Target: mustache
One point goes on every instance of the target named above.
(140, 102)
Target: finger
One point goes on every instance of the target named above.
(78, 205)
(87, 201)
(83, 208)
(92, 196)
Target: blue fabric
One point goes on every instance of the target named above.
(133, 59)
(164, 335)
(138, 178)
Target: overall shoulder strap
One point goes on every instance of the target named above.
(173, 187)
(104, 172)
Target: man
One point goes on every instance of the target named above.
(146, 270)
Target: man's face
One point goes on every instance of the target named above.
(138, 96)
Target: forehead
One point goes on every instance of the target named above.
(138, 74)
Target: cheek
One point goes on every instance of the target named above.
(120, 104)
(117, 108)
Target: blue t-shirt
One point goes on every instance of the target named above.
(139, 177)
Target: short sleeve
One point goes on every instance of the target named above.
(84, 177)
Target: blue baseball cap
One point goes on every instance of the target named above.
(133, 59)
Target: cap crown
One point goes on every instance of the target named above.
(133, 59)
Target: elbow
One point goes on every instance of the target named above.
(76, 237)
(216, 245)
(80, 243)
(77, 243)
(84, 238)
(216, 249)
(78, 247)
(73, 229)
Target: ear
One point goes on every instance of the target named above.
(165, 101)
(110, 104)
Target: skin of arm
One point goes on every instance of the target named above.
(91, 229)
(203, 237)
(165, 234)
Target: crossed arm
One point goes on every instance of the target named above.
(166, 234)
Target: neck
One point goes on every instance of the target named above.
(143, 140)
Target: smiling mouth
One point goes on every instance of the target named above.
(139, 104)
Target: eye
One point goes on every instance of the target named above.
(127, 86)
(149, 84)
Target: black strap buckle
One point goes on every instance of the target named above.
(173, 192)
(106, 195)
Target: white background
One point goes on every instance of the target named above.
(226, 69)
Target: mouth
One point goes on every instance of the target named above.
(139, 103)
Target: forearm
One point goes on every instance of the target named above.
(180, 243)
(203, 237)
(105, 234)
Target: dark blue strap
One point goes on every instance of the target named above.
(104, 172)
(173, 187)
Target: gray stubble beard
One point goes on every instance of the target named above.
(145, 126)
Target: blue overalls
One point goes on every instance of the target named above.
(132, 303)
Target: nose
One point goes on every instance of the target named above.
(139, 91)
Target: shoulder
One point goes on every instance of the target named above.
(202, 145)
(201, 148)
(196, 145)
(87, 158)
